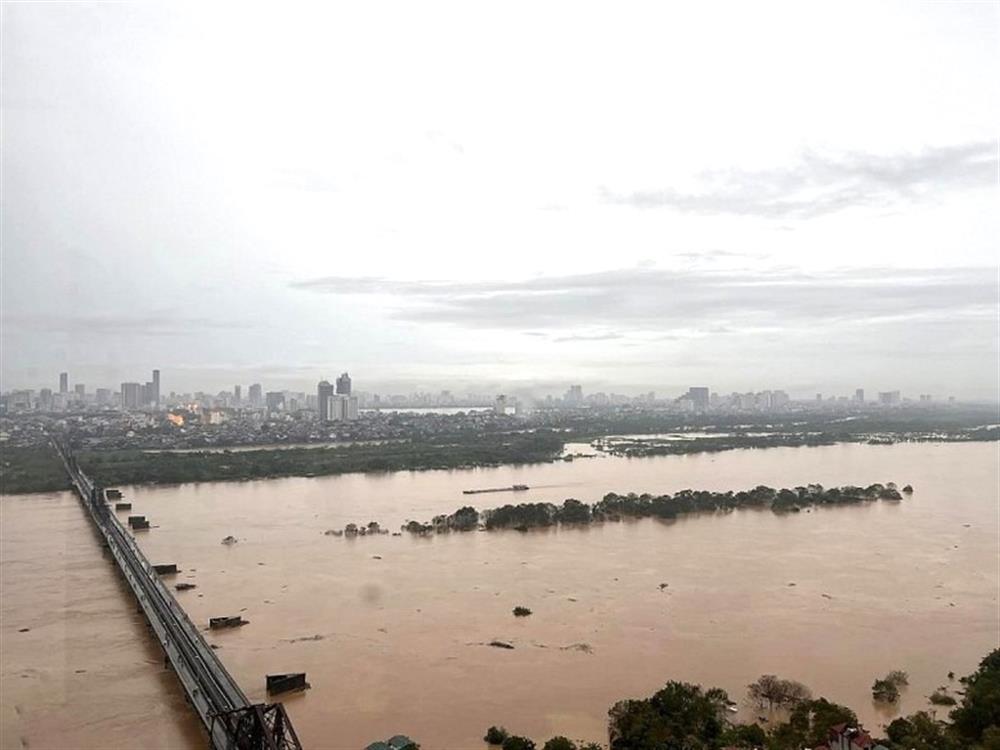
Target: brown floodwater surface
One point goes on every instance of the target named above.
(392, 631)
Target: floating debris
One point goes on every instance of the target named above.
(584, 648)
(316, 637)
(228, 621)
(230, 540)
(500, 644)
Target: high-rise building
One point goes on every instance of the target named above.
(154, 394)
(699, 397)
(255, 395)
(80, 390)
(64, 382)
(275, 401)
(237, 394)
(500, 405)
(859, 395)
(344, 384)
(324, 400)
(131, 395)
(575, 394)
(103, 396)
(45, 399)
(889, 398)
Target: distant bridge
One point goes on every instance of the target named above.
(232, 722)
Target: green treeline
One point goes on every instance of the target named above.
(34, 469)
(137, 467)
(615, 507)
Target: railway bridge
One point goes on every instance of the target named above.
(231, 721)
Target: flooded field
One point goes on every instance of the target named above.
(393, 630)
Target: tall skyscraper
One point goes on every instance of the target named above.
(575, 394)
(344, 384)
(154, 396)
(45, 399)
(324, 400)
(859, 395)
(256, 396)
(131, 395)
(80, 390)
(64, 382)
(275, 401)
(103, 396)
(237, 394)
(699, 396)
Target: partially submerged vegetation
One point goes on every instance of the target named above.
(683, 716)
(615, 507)
(886, 689)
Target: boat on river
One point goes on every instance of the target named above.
(512, 488)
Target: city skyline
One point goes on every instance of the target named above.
(686, 219)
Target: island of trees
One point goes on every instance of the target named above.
(615, 507)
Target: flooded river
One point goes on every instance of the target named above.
(392, 630)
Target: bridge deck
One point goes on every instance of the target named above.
(231, 721)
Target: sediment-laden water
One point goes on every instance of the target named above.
(392, 630)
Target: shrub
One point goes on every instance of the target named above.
(495, 735)
(521, 611)
(514, 742)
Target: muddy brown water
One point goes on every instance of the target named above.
(392, 630)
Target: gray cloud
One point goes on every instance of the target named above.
(586, 337)
(661, 301)
(823, 184)
(162, 324)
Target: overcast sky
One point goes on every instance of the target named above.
(516, 195)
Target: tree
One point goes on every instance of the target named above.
(495, 735)
(680, 716)
(920, 731)
(744, 736)
(980, 707)
(513, 742)
(809, 724)
(886, 690)
(559, 743)
(771, 691)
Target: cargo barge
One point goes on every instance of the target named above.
(512, 488)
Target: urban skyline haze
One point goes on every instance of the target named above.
(546, 196)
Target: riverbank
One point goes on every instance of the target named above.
(37, 469)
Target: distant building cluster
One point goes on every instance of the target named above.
(338, 402)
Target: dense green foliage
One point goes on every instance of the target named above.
(138, 467)
(35, 469)
(514, 742)
(614, 507)
(496, 735)
(977, 719)
(809, 723)
(680, 716)
(920, 731)
(886, 689)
